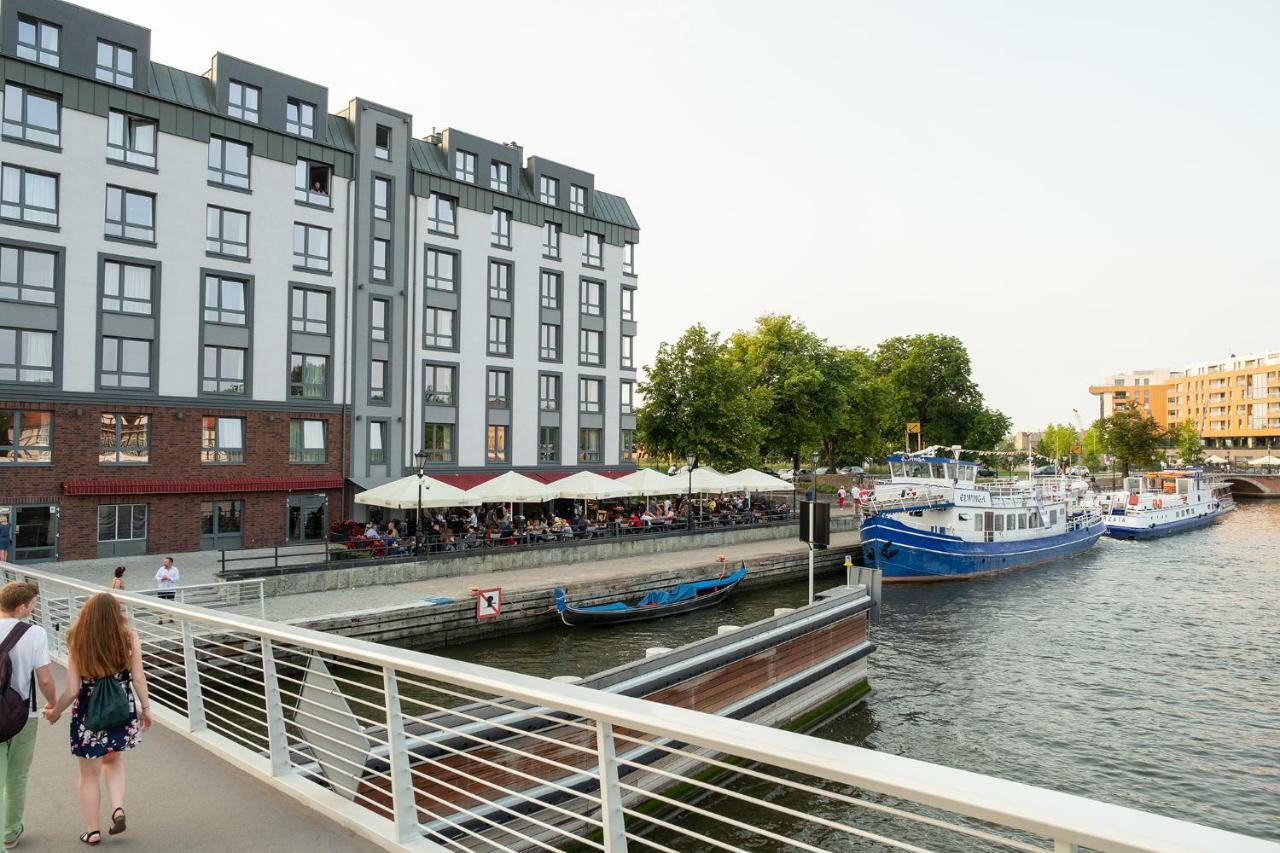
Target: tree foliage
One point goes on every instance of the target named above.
(1186, 439)
(1095, 445)
(1057, 442)
(1133, 437)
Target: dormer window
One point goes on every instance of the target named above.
(548, 190)
(38, 40)
(115, 64)
(577, 198)
(464, 166)
(499, 176)
(242, 101)
(382, 142)
(300, 118)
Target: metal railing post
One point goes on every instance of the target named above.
(277, 741)
(195, 696)
(404, 800)
(262, 599)
(615, 827)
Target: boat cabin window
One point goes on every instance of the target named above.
(1022, 521)
(977, 523)
(999, 520)
(1053, 516)
(967, 473)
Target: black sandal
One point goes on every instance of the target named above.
(117, 823)
(89, 837)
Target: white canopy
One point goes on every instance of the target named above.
(510, 487)
(1264, 460)
(588, 485)
(707, 481)
(751, 480)
(403, 494)
(646, 481)
(1214, 459)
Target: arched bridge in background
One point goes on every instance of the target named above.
(1250, 485)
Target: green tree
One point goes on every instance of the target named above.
(855, 424)
(697, 399)
(1056, 442)
(1186, 438)
(1133, 437)
(1095, 445)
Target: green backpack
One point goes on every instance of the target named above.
(108, 706)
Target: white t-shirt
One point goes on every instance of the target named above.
(31, 653)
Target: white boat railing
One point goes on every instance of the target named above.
(416, 752)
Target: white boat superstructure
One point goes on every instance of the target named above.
(1160, 503)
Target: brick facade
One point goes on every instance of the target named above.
(173, 519)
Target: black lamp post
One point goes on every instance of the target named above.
(421, 458)
(692, 460)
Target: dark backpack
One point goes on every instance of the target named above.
(14, 710)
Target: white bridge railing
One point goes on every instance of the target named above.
(245, 596)
(417, 752)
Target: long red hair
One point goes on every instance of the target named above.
(99, 642)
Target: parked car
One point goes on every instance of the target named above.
(785, 474)
(985, 472)
(1047, 470)
(769, 471)
(1078, 471)
(850, 469)
(821, 471)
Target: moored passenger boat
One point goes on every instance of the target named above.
(1162, 503)
(931, 520)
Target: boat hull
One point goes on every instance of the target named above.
(905, 554)
(1169, 528)
(575, 616)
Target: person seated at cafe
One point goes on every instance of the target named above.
(392, 529)
(634, 520)
(392, 544)
(646, 518)
(583, 529)
(472, 521)
(469, 540)
(447, 540)
(371, 530)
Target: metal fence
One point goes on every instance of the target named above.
(417, 752)
(246, 596)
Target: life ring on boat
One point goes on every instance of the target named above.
(1133, 500)
(1157, 503)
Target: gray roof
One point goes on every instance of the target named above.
(182, 87)
(429, 158)
(612, 208)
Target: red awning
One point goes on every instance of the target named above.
(200, 486)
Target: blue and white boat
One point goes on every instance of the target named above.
(932, 520)
(1162, 503)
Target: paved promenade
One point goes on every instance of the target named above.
(180, 797)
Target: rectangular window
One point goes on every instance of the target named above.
(628, 303)
(310, 247)
(499, 335)
(122, 522)
(589, 396)
(378, 381)
(442, 214)
(589, 445)
(223, 370)
(548, 392)
(228, 162)
(549, 290)
(38, 40)
(549, 444)
(30, 115)
(381, 198)
(464, 166)
(438, 328)
(382, 142)
(242, 101)
(499, 176)
(26, 356)
(438, 385)
(28, 196)
(378, 311)
(126, 363)
(495, 445)
(549, 342)
(222, 441)
(500, 281)
(626, 397)
(591, 250)
(627, 445)
(629, 258)
(627, 357)
(309, 311)
(437, 441)
(131, 139)
(306, 441)
(225, 300)
(381, 259)
(26, 437)
(308, 376)
(300, 118)
(115, 64)
(591, 293)
(499, 380)
(589, 346)
(127, 288)
(500, 228)
(27, 275)
(311, 182)
(131, 215)
(377, 442)
(227, 232)
(577, 198)
(124, 439)
(442, 270)
(548, 190)
(551, 240)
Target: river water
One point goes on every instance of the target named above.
(1145, 674)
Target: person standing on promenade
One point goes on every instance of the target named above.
(117, 582)
(27, 649)
(103, 654)
(6, 538)
(167, 578)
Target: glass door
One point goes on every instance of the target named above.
(308, 518)
(35, 533)
(220, 525)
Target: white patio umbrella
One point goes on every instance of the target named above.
(1215, 460)
(646, 481)
(588, 485)
(751, 480)
(707, 481)
(403, 494)
(1264, 460)
(513, 488)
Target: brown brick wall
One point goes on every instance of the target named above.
(173, 519)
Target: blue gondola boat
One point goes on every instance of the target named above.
(655, 603)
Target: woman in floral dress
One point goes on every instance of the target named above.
(100, 645)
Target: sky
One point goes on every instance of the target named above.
(1073, 189)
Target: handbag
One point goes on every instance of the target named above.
(108, 705)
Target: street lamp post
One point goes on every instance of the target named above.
(421, 458)
(812, 503)
(692, 460)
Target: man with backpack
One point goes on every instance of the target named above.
(24, 664)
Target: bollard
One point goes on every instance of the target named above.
(848, 571)
(567, 679)
(656, 651)
(727, 629)
(783, 611)
(877, 578)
